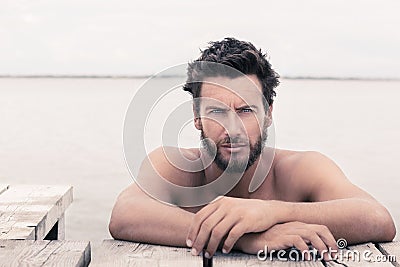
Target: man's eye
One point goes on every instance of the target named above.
(217, 111)
(246, 110)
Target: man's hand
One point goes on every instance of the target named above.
(231, 218)
(288, 235)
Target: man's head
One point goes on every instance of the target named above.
(233, 84)
(239, 55)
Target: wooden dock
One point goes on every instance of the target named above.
(32, 227)
(32, 233)
(33, 212)
(44, 253)
(123, 253)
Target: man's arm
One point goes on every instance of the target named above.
(138, 217)
(346, 210)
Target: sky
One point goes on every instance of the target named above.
(302, 38)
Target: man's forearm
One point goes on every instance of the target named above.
(357, 220)
(143, 219)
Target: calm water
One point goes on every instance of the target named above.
(69, 131)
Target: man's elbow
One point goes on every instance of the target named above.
(390, 230)
(114, 228)
(120, 226)
(386, 227)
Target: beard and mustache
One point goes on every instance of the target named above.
(234, 164)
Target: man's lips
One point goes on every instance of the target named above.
(234, 147)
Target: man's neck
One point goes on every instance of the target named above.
(259, 170)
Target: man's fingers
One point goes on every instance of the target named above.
(203, 235)
(316, 235)
(300, 244)
(218, 234)
(327, 236)
(317, 243)
(197, 221)
(234, 234)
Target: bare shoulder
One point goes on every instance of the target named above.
(290, 160)
(314, 176)
(288, 178)
(174, 164)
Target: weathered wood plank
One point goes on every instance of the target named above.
(61, 228)
(70, 252)
(123, 253)
(3, 187)
(391, 249)
(360, 255)
(27, 207)
(17, 233)
(44, 253)
(58, 230)
(237, 259)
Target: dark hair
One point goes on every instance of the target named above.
(240, 55)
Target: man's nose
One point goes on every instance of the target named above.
(234, 125)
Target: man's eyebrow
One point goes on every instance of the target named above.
(216, 107)
(248, 106)
(239, 108)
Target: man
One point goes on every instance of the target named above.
(304, 198)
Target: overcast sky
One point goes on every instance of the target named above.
(303, 38)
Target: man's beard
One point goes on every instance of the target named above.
(236, 165)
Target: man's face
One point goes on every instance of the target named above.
(234, 119)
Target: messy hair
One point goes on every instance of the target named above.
(239, 55)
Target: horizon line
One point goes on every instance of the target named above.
(146, 76)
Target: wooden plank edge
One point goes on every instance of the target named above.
(19, 233)
(54, 214)
(382, 249)
(88, 255)
(84, 255)
(85, 259)
(4, 187)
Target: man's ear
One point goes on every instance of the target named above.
(197, 119)
(268, 116)
(197, 123)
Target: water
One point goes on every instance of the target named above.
(69, 131)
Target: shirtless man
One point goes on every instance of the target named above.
(305, 199)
